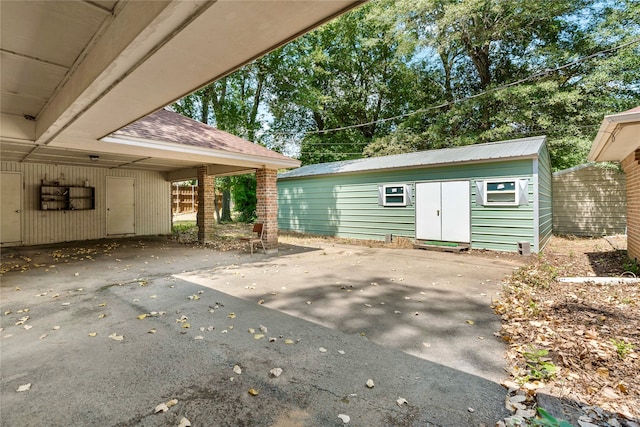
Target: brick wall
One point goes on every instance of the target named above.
(631, 166)
(206, 217)
(267, 205)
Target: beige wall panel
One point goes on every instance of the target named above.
(589, 202)
(152, 198)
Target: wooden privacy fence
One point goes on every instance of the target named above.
(184, 198)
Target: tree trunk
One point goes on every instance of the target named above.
(226, 206)
(215, 203)
(226, 200)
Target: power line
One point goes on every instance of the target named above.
(467, 98)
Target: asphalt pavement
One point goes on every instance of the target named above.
(115, 329)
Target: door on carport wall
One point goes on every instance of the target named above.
(443, 211)
(11, 207)
(120, 206)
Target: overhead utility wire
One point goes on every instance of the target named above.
(466, 98)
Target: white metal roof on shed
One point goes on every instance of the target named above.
(491, 151)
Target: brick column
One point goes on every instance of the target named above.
(267, 206)
(206, 217)
(631, 167)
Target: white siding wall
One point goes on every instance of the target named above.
(589, 201)
(152, 201)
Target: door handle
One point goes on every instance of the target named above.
(18, 211)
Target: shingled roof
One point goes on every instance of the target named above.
(167, 126)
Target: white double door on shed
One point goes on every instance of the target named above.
(443, 211)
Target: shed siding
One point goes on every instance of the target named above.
(346, 205)
(545, 197)
(152, 200)
(590, 201)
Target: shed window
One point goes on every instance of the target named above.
(394, 195)
(511, 192)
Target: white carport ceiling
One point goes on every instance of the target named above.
(84, 69)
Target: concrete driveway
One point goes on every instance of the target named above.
(331, 316)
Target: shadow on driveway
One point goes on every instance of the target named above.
(78, 379)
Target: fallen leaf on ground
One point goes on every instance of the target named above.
(370, 383)
(43, 336)
(258, 336)
(322, 350)
(116, 337)
(345, 418)
(263, 329)
(231, 315)
(141, 316)
(184, 422)
(199, 337)
(252, 331)
(186, 325)
(55, 328)
(102, 316)
(288, 341)
(276, 372)
(27, 327)
(22, 320)
(237, 369)
(161, 408)
(172, 402)
(401, 401)
(24, 387)
(102, 304)
(471, 322)
(253, 392)
(152, 331)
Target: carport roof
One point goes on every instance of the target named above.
(168, 126)
(618, 136)
(512, 149)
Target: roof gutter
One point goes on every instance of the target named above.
(610, 126)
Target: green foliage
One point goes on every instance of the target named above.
(243, 189)
(548, 420)
(540, 367)
(623, 348)
(406, 75)
(632, 266)
(183, 227)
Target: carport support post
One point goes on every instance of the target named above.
(206, 218)
(267, 206)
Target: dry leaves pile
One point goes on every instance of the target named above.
(47, 260)
(579, 341)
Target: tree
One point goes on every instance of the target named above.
(354, 70)
(232, 104)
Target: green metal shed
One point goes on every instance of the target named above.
(487, 196)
